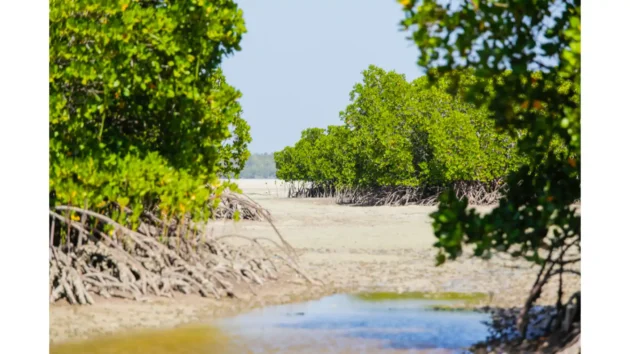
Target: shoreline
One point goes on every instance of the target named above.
(353, 249)
(110, 317)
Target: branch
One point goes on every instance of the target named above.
(563, 271)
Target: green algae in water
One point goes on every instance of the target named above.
(440, 296)
(184, 340)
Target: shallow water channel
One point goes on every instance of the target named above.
(376, 323)
(347, 323)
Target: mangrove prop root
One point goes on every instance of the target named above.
(477, 193)
(248, 209)
(531, 328)
(134, 264)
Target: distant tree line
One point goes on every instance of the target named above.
(259, 166)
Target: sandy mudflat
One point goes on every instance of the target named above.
(349, 248)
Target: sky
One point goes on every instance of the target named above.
(300, 60)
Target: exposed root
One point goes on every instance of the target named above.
(477, 193)
(548, 331)
(231, 203)
(135, 264)
(540, 329)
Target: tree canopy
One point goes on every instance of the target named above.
(140, 112)
(530, 53)
(401, 133)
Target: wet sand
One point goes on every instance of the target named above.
(351, 249)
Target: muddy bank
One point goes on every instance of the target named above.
(111, 316)
(352, 249)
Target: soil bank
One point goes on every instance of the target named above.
(351, 249)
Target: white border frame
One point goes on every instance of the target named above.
(605, 137)
(24, 177)
(24, 144)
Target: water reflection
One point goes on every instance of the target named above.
(335, 324)
(350, 323)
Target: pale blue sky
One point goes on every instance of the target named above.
(300, 60)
